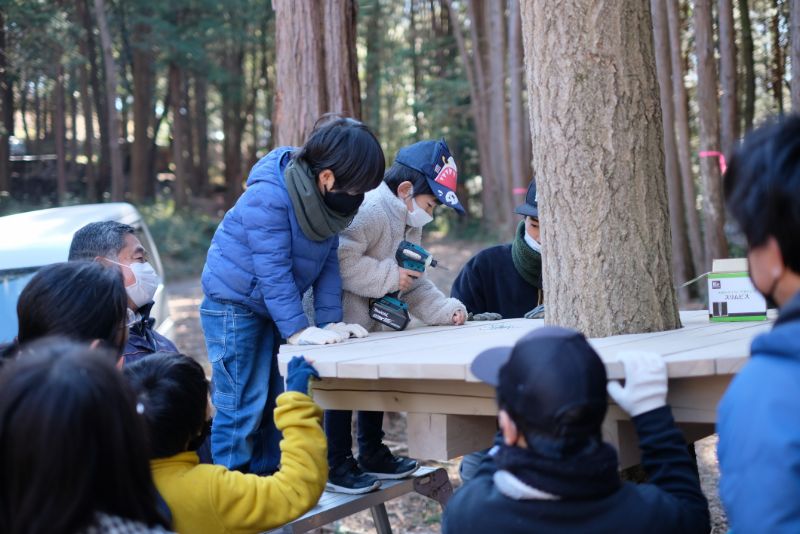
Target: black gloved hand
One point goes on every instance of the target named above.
(536, 313)
(299, 375)
(485, 316)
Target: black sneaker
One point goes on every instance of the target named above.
(348, 478)
(384, 465)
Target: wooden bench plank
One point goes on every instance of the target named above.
(332, 506)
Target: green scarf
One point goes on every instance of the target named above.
(527, 261)
(316, 219)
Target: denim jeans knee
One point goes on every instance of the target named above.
(241, 346)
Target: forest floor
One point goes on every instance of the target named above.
(411, 513)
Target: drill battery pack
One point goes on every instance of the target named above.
(390, 311)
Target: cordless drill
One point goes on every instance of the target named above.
(389, 310)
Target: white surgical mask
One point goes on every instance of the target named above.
(419, 217)
(535, 245)
(143, 290)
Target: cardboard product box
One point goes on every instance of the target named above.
(731, 294)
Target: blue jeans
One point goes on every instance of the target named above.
(245, 382)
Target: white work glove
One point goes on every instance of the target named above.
(315, 336)
(347, 330)
(645, 383)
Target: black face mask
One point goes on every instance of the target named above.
(342, 202)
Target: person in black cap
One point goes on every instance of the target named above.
(505, 281)
(553, 472)
(423, 176)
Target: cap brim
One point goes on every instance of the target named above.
(528, 211)
(486, 365)
(445, 195)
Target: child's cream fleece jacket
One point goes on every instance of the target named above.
(369, 269)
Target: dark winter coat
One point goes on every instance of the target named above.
(260, 258)
(489, 282)
(671, 502)
(143, 339)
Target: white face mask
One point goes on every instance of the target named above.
(535, 245)
(143, 290)
(418, 217)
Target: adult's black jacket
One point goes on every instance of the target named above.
(489, 282)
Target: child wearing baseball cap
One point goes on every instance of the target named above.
(552, 471)
(424, 175)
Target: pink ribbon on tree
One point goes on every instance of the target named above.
(715, 154)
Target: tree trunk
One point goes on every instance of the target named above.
(681, 266)
(729, 120)
(341, 61)
(47, 115)
(749, 66)
(73, 123)
(201, 130)
(596, 121)
(60, 132)
(154, 156)
(7, 114)
(681, 109)
(179, 185)
(490, 197)
(192, 182)
(415, 74)
(716, 245)
(88, 129)
(268, 58)
(498, 116)
(23, 110)
(37, 118)
(778, 65)
(316, 72)
(374, 64)
(300, 94)
(143, 114)
(252, 107)
(232, 122)
(475, 77)
(516, 114)
(117, 178)
(104, 168)
(794, 33)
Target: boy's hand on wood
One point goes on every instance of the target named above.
(459, 317)
(348, 330)
(407, 278)
(314, 336)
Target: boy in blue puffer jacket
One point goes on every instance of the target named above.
(279, 240)
(759, 434)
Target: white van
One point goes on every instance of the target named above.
(31, 240)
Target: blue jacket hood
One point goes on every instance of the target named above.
(268, 169)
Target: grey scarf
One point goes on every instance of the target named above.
(316, 219)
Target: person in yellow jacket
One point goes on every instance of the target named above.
(172, 395)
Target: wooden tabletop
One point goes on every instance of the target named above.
(699, 348)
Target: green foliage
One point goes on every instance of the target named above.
(182, 237)
(439, 105)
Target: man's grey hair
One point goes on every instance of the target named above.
(104, 239)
